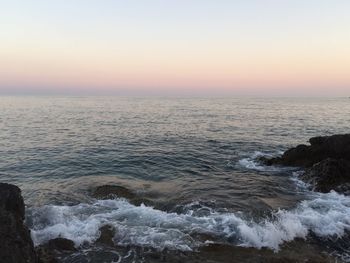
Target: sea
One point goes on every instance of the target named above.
(193, 160)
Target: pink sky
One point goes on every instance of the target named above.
(290, 49)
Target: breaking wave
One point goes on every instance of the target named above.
(325, 215)
(252, 163)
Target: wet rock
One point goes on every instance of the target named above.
(296, 252)
(326, 160)
(45, 255)
(320, 148)
(48, 252)
(16, 245)
(106, 236)
(329, 174)
(302, 155)
(11, 200)
(267, 161)
(61, 244)
(112, 191)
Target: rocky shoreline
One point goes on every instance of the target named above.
(326, 164)
(16, 244)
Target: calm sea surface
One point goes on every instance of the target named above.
(192, 159)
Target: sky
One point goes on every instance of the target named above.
(175, 47)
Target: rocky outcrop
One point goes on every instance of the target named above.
(329, 174)
(326, 161)
(16, 245)
(320, 148)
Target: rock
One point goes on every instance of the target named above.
(111, 191)
(16, 245)
(48, 252)
(115, 191)
(11, 200)
(107, 235)
(296, 252)
(266, 161)
(320, 148)
(299, 156)
(329, 174)
(61, 244)
(45, 255)
(326, 159)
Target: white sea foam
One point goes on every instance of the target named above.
(325, 215)
(252, 163)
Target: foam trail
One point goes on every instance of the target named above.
(325, 215)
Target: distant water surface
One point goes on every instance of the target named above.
(194, 159)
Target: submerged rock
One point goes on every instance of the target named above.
(106, 236)
(329, 174)
(116, 191)
(16, 245)
(320, 148)
(111, 191)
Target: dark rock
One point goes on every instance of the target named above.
(320, 148)
(329, 174)
(326, 159)
(266, 161)
(298, 156)
(45, 255)
(111, 191)
(61, 244)
(317, 140)
(16, 244)
(296, 252)
(106, 236)
(48, 252)
(11, 200)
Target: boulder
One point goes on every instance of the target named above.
(45, 255)
(16, 245)
(48, 252)
(329, 174)
(106, 236)
(61, 244)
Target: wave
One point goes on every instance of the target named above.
(251, 162)
(325, 215)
